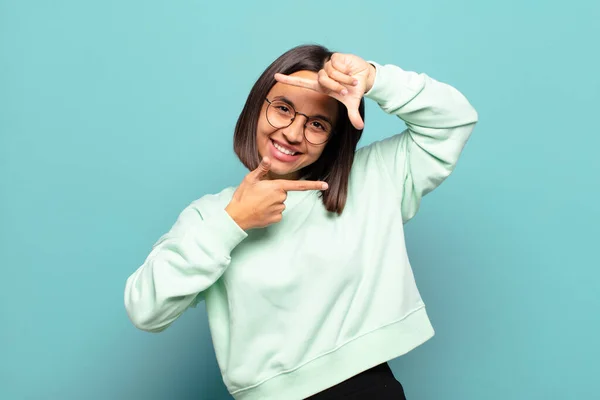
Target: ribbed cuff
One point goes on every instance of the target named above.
(392, 82)
(224, 235)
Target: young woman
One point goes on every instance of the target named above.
(303, 266)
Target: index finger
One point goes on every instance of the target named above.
(289, 186)
(297, 81)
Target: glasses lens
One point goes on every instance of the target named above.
(280, 114)
(317, 131)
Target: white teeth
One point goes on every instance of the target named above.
(283, 150)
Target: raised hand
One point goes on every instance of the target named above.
(258, 202)
(345, 77)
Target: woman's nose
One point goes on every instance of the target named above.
(295, 132)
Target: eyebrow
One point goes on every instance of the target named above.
(288, 101)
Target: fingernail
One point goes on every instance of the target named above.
(344, 92)
(325, 186)
(355, 82)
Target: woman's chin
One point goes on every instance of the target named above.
(283, 173)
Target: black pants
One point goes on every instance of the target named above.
(377, 383)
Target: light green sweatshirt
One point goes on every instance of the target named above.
(301, 305)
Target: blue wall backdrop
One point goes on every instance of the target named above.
(114, 115)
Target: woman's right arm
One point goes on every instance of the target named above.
(197, 250)
(183, 263)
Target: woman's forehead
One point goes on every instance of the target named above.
(303, 99)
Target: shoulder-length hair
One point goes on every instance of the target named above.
(335, 163)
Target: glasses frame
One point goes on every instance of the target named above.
(292, 121)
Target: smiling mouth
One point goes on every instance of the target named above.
(284, 150)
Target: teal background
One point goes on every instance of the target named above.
(114, 115)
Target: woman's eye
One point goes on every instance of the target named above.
(284, 109)
(318, 125)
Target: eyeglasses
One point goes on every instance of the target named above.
(281, 115)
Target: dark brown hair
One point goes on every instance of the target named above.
(335, 163)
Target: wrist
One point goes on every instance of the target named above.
(371, 77)
(236, 216)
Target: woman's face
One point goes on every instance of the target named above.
(278, 143)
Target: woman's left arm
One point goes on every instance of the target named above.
(439, 122)
(438, 117)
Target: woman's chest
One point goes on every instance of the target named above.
(309, 248)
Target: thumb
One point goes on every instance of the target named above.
(263, 169)
(355, 118)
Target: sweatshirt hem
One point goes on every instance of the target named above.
(360, 354)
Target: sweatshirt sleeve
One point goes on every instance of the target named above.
(181, 265)
(439, 121)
